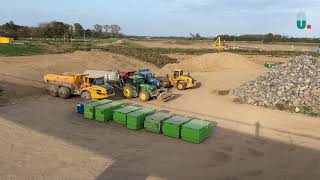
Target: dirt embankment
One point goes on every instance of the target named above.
(26, 72)
(213, 62)
(32, 68)
(22, 76)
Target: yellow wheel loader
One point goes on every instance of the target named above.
(180, 80)
(88, 87)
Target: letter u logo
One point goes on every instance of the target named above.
(301, 24)
(301, 20)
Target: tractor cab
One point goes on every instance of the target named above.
(97, 84)
(179, 80)
(144, 70)
(125, 76)
(136, 81)
(146, 74)
(179, 73)
(150, 78)
(89, 81)
(145, 86)
(94, 81)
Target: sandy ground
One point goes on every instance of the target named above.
(173, 44)
(213, 62)
(43, 138)
(210, 45)
(27, 72)
(56, 143)
(278, 46)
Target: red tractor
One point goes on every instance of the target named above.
(125, 76)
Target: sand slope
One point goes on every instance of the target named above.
(29, 70)
(22, 76)
(213, 62)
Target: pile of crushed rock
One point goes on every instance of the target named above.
(291, 86)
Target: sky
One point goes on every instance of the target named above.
(172, 17)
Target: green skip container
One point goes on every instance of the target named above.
(135, 120)
(196, 130)
(154, 122)
(172, 127)
(105, 112)
(270, 65)
(120, 115)
(89, 109)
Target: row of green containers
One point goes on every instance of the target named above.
(135, 118)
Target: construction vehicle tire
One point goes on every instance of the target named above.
(128, 92)
(53, 90)
(64, 92)
(86, 95)
(165, 83)
(144, 96)
(181, 85)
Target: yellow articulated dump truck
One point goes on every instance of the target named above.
(88, 87)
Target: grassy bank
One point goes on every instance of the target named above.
(157, 56)
(144, 54)
(20, 49)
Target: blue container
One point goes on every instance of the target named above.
(80, 106)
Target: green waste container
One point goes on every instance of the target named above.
(105, 112)
(196, 130)
(172, 127)
(89, 109)
(135, 120)
(120, 115)
(270, 65)
(154, 122)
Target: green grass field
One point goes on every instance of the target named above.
(20, 50)
(131, 44)
(124, 46)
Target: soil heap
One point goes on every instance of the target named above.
(212, 62)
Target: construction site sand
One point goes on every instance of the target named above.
(26, 72)
(210, 45)
(45, 133)
(213, 62)
(31, 69)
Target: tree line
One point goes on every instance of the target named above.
(56, 29)
(265, 38)
(268, 38)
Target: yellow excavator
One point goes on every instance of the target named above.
(179, 80)
(218, 42)
(88, 87)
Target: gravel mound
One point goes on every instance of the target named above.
(292, 86)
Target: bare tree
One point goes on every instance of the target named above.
(106, 28)
(115, 30)
(98, 28)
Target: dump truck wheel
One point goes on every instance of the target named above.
(144, 95)
(53, 89)
(181, 85)
(64, 92)
(128, 92)
(86, 95)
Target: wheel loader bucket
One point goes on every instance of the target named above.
(165, 96)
